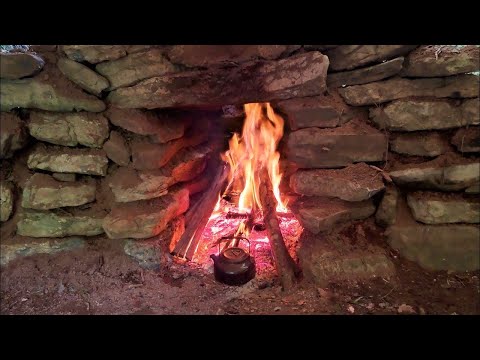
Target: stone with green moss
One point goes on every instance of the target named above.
(43, 192)
(6, 200)
(81, 75)
(69, 129)
(35, 94)
(28, 247)
(58, 224)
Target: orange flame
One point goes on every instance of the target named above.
(255, 150)
(216, 211)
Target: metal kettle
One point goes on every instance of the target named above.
(233, 265)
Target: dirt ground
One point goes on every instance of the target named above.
(101, 279)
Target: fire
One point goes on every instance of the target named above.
(255, 150)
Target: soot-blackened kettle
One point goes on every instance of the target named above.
(233, 265)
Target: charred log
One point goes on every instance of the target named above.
(197, 217)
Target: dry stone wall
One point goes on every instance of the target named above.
(115, 139)
(412, 143)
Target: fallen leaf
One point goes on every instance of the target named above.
(407, 309)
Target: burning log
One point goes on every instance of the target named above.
(286, 268)
(197, 217)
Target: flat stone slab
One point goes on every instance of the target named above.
(318, 214)
(128, 184)
(149, 155)
(297, 76)
(413, 115)
(43, 192)
(211, 55)
(28, 247)
(94, 53)
(83, 76)
(133, 68)
(161, 128)
(324, 262)
(64, 177)
(429, 144)
(43, 48)
(467, 139)
(446, 173)
(69, 129)
(6, 200)
(324, 148)
(57, 223)
(323, 111)
(442, 60)
(147, 218)
(50, 91)
(366, 75)
(438, 247)
(18, 65)
(354, 183)
(319, 47)
(148, 253)
(117, 149)
(66, 160)
(347, 57)
(474, 189)
(440, 208)
(13, 135)
(387, 210)
(459, 86)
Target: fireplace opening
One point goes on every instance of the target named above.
(242, 222)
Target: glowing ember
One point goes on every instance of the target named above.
(222, 225)
(256, 150)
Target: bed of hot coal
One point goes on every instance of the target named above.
(222, 224)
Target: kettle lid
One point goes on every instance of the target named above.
(234, 255)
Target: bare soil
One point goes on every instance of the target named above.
(101, 279)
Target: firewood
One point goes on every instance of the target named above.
(287, 270)
(197, 217)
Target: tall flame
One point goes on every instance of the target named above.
(255, 150)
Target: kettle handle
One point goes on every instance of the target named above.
(229, 238)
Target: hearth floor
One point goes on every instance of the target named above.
(101, 279)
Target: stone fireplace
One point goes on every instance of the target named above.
(121, 142)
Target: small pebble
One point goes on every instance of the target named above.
(351, 309)
(278, 308)
(61, 288)
(322, 293)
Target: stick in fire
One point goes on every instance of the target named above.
(286, 267)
